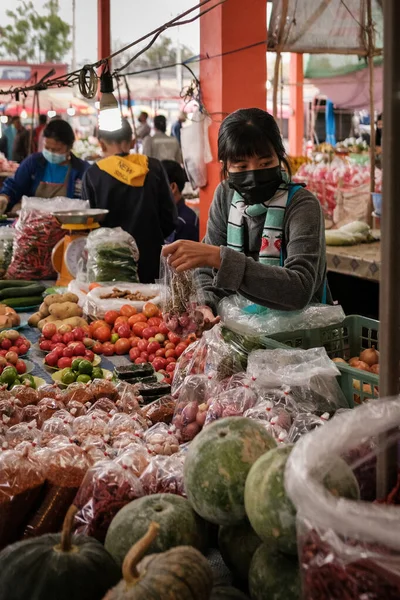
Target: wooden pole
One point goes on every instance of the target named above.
(285, 7)
(371, 53)
(389, 340)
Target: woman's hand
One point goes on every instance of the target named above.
(184, 255)
(209, 319)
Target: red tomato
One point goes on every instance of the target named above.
(68, 352)
(169, 346)
(23, 350)
(79, 334)
(124, 331)
(159, 363)
(57, 338)
(89, 355)
(175, 339)
(153, 347)
(52, 359)
(138, 328)
(154, 322)
(64, 362)
(122, 346)
(134, 353)
(170, 353)
(127, 310)
(134, 340)
(180, 349)
(140, 361)
(108, 349)
(97, 348)
(145, 356)
(21, 367)
(49, 330)
(151, 357)
(142, 345)
(139, 318)
(14, 349)
(171, 359)
(3, 352)
(160, 352)
(111, 316)
(171, 367)
(102, 334)
(147, 332)
(163, 328)
(150, 310)
(120, 321)
(45, 345)
(68, 337)
(20, 341)
(6, 344)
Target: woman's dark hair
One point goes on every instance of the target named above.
(249, 132)
(60, 131)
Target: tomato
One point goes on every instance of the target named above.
(175, 339)
(120, 321)
(153, 347)
(79, 334)
(154, 322)
(89, 355)
(170, 353)
(142, 345)
(23, 350)
(160, 337)
(134, 340)
(68, 337)
(49, 330)
(138, 328)
(163, 328)
(181, 347)
(95, 325)
(78, 347)
(145, 356)
(169, 346)
(52, 359)
(171, 367)
(124, 331)
(151, 357)
(57, 338)
(45, 345)
(171, 359)
(150, 310)
(111, 316)
(127, 310)
(68, 352)
(64, 362)
(97, 348)
(147, 333)
(108, 349)
(140, 361)
(139, 318)
(102, 334)
(159, 363)
(122, 346)
(134, 353)
(21, 367)
(160, 352)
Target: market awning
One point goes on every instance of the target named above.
(58, 100)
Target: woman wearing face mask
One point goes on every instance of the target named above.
(53, 172)
(265, 235)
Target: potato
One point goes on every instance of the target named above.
(34, 319)
(75, 322)
(5, 322)
(65, 310)
(3, 308)
(44, 310)
(60, 298)
(14, 318)
(43, 322)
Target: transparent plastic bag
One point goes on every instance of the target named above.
(25, 395)
(245, 317)
(276, 419)
(160, 411)
(196, 149)
(97, 303)
(304, 423)
(160, 439)
(348, 549)
(191, 407)
(106, 488)
(134, 457)
(23, 432)
(191, 362)
(181, 299)
(7, 235)
(112, 255)
(164, 475)
(231, 403)
(37, 233)
(121, 423)
(10, 412)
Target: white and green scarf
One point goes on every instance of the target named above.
(271, 241)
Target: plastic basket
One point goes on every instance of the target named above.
(344, 341)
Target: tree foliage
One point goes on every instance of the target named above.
(35, 37)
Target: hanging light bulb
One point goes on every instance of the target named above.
(110, 114)
(71, 111)
(23, 114)
(51, 113)
(3, 119)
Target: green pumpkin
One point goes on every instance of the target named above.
(57, 567)
(179, 525)
(181, 573)
(217, 464)
(237, 544)
(274, 576)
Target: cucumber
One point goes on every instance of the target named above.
(22, 301)
(10, 283)
(16, 292)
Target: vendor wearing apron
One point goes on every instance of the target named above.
(265, 235)
(53, 172)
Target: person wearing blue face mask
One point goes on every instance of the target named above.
(55, 171)
(265, 235)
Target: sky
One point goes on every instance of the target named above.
(130, 19)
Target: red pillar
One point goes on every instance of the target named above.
(296, 120)
(233, 81)
(103, 29)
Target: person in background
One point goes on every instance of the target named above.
(378, 133)
(3, 144)
(9, 133)
(37, 141)
(53, 172)
(177, 126)
(21, 142)
(135, 191)
(143, 129)
(161, 145)
(188, 221)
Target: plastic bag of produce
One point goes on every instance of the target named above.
(135, 457)
(275, 418)
(160, 439)
(119, 294)
(309, 374)
(181, 299)
(23, 432)
(121, 423)
(7, 235)
(164, 475)
(191, 362)
(304, 423)
(37, 233)
(160, 411)
(191, 407)
(231, 403)
(112, 255)
(106, 488)
(245, 317)
(347, 549)
(22, 476)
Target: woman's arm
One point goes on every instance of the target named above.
(19, 185)
(293, 286)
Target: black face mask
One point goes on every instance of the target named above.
(257, 186)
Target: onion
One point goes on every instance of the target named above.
(370, 356)
(375, 369)
(361, 365)
(354, 360)
(339, 360)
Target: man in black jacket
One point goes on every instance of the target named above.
(135, 190)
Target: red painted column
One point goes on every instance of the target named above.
(296, 120)
(103, 29)
(237, 80)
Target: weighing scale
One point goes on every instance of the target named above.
(67, 253)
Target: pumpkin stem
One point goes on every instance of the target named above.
(137, 552)
(66, 533)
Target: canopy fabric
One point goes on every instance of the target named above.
(57, 100)
(352, 91)
(332, 65)
(323, 26)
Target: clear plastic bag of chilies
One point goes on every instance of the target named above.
(180, 300)
(164, 475)
(347, 549)
(23, 432)
(191, 407)
(231, 403)
(112, 255)
(106, 488)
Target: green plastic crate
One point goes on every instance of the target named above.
(345, 341)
